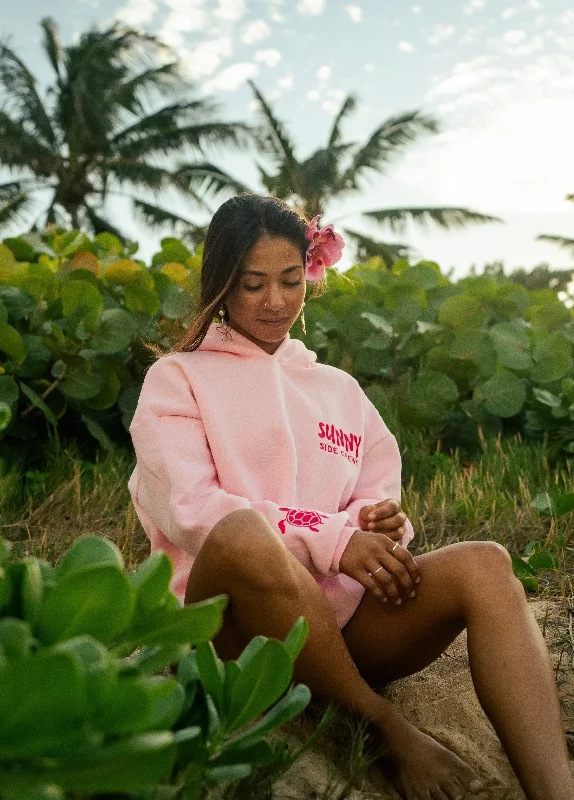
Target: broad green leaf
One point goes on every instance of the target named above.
(546, 398)
(542, 560)
(261, 683)
(5, 415)
(5, 588)
(175, 302)
(32, 589)
(211, 672)
(115, 332)
(232, 672)
(50, 707)
(124, 272)
(108, 394)
(16, 639)
(151, 581)
(512, 345)
(85, 296)
(552, 358)
(430, 395)
(474, 346)
(140, 762)
(127, 403)
(97, 601)
(81, 385)
(503, 394)
(379, 323)
(231, 772)
(150, 660)
(11, 343)
(8, 390)
(23, 785)
(121, 705)
(521, 568)
(191, 624)
(90, 551)
(93, 655)
(251, 650)
(288, 707)
(167, 699)
(296, 638)
(462, 311)
(141, 300)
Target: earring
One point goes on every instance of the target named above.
(224, 328)
(303, 320)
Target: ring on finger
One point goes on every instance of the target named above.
(370, 574)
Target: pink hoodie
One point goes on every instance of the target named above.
(229, 426)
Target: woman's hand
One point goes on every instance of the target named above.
(384, 517)
(381, 565)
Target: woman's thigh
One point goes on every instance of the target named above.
(388, 642)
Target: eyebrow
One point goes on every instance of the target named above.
(254, 271)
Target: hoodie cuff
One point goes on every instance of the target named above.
(344, 538)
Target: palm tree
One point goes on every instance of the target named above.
(561, 241)
(338, 170)
(116, 120)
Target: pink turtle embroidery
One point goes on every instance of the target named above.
(301, 519)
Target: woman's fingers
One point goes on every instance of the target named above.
(384, 524)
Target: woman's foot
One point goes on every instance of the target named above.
(421, 767)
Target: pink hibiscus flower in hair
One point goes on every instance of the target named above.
(325, 249)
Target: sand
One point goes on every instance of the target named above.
(441, 701)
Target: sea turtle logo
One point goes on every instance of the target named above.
(301, 519)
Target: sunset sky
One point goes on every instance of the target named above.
(498, 75)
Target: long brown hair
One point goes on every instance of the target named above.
(235, 228)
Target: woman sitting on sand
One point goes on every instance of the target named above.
(273, 479)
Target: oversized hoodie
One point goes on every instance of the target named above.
(229, 426)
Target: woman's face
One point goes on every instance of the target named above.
(271, 286)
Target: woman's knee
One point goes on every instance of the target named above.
(243, 542)
(487, 567)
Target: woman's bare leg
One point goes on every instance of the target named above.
(471, 585)
(268, 590)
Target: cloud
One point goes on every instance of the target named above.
(355, 12)
(185, 16)
(441, 32)
(268, 57)
(231, 78)
(313, 95)
(406, 47)
(230, 9)
(534, 4)
(324, 72)
(368, 67)
(286, 82)
(137, 12)
(206, 56)
(311, 7)
(472, 6)
(514, 36)
(416, 9)
(255, 31)
(508, 13)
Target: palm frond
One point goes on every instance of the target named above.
(99, 224)
(156, 217)
(15, 201)
(561, 241)
(387, 141)
(137, 173)
(349, 105)
(366, 247)
(397, 218)
(199, 137)
(23, 149)
(274, 140)
(206, 178)
(51, 44)
(164, 79)
(20, 89)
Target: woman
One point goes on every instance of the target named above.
(273, 479)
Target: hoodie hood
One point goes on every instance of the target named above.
(291, 351)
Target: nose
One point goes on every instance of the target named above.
(275, 300)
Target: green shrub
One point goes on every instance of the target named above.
(83, 710)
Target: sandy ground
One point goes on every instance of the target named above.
(441, 701)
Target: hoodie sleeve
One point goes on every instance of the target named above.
(179, 489)
(380, 475)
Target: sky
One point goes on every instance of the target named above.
(498, 76)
